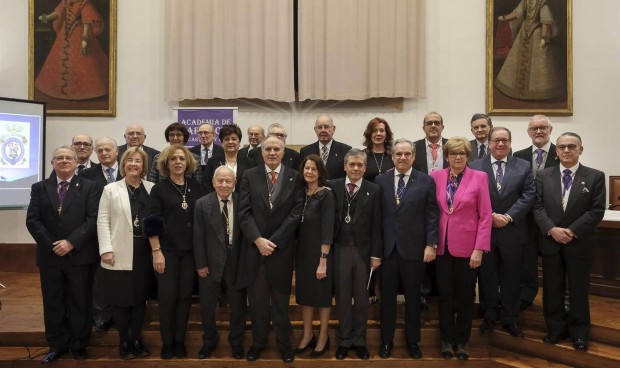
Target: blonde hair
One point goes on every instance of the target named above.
(129, 153)
(162, 161)
(457, 142)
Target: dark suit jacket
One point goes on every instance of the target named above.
(218, 151)
(420, 156)
(526, 154)
(210, 239)
(151, 152)
(291, 158)
(244, 151)
(413, 224)
(515, 198)
(77, 222)
(335, 160)
(95, 173)
(243, 163)
(584, 211)
(366, 221)
(278, 224)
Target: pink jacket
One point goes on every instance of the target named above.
(469, 224)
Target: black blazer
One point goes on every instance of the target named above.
(245, 151)
(243, 163)
(95, 173)
(413, 224)
(526, 154)
(210, 243)
(278, 224)
(150, 152)
(218, 152)
(335, 160)
(77, 222)
(584, 211)
(291, 158)
(420, 156)
(366, 221)
(515, 198)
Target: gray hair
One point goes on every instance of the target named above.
(403, 140)
(355, 152)
(67, 147)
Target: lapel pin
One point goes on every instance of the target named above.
(77, 185)
(367, 193)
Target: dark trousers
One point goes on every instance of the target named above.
(351, 273)
(397, 270)
(129, 319)
(67, 305)
(174, 288)
(529, 263)
(210, 291)
(456, 283)
(268, 304)
(577, 321)
(102, 311)
(501, 267)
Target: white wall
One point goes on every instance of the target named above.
(456, 84)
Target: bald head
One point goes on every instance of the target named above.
(256, 134)
(106, 150)
(134, 135)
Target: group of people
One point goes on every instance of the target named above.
(436, 213)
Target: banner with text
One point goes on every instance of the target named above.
(194, 117)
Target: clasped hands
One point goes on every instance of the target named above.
(265, 246)
(562, 235)
(62, 247)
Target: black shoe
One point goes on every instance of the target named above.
(318, 353)
(342, 352)
(414, 351)
(287, 354)
(462, 352)
(580, 344)
(362, 352)
(424, 303)
(179, 350)
(487, 325)
(237, 352)
(205, 352)
(310, 345)
(513, 329)
(102, 327)
(447, 352)
(139, 349)
(253, 353)
(51, 356)
(385, 351)
(79, 354)
(554, 339)
(167, 351)
(125, 351)
(525, 304)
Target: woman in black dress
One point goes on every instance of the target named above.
(230, 135)
(126, 272)
(313, 265)
(169, 227)
(378, 139)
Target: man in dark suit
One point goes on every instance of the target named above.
(134, 137)
(481, 125)
(331, 151)
(269, 211)
(216, 252)
(358, 247)
(62, 219)
(541, 154)
(83, 146)
(513, 193)
(256, 134)
(570, 203)
(207, 148)
(410, 224)
(291, 157)
(430, 157)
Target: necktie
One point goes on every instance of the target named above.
(203, 157)
(450, 191)
(324, 154)
(81, 167)
(274, 178)
(567, 180)
(499, 178)
(62, 192)
(111, 177)
(400, 189)
(351, 188)
(434, 147)
(226, 221)
(482, 151)
(209, 153)
(539, 156)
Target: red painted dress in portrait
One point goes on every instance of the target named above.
(71, 72)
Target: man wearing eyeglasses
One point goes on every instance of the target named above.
(83, 146)
(541, 154)
(512, 191)
(291, 157)
(207, 148)
(331, 151)
(135, 137)
(256, 134)
(570, 203)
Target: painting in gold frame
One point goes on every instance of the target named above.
(529, 57)
(72, 56)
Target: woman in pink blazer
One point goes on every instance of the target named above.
(465, 218)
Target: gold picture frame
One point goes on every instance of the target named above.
(524, 74)
(72, 56)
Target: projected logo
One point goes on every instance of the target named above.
(14, 145)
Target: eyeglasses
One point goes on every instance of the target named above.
(499, 140)
(432, 122)
(205, 133)
(135, 134)
(323, 127)
(84, 144)
(543, 129)
(64, 158)
(279, 135)
(456, 154)
(570, 147)
(175, 135)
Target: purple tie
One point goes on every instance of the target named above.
(351, 187)
(567, 179)
(62, 192)
(539, 156)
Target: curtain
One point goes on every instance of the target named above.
(360, 49)
(229, 49)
